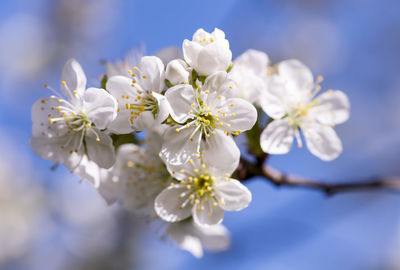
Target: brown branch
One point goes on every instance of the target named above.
(248, 170)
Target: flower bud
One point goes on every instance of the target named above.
(177, 72)
(207, 53)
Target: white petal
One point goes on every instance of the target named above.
(75, 79)
(100, 106)
(190, 51)
(164, 108)
(109, 189)
(322, 141)
(178, 148)
(181, 98)
(333, 108)
(183, 171)
(151, 74)
(209, 216)
(144, 121)
(273, 101)
(167, 204)
(185, 238)
(121, 89)
(240, 114)
(215, 80)
(208, 60)
(296, 73)
(100, 151)
(121, 124)
(213, 238)
(277, 137)
(42, 110)
(177, 72)
(235, 195)
(221, 151)
(255, 60)
(58, 149)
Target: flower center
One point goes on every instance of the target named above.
(298, 113)
(75, 121)
(142, 103)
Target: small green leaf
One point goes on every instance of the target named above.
(104, 81)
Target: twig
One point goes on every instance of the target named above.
(248, 170)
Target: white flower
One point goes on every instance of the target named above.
(207, 53)
(191, 237)
(136, 178)
(250, 72)
(140, 103)
(202, 191)
(143, 175)
(122, 68)
(291, 102)
(64, 130)
(177, 72)
(207, 117)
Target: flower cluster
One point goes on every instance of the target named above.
(192, 106)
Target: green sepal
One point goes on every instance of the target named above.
(120, 139)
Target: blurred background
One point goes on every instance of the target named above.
(51, 220)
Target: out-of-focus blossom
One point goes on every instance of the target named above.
(207, 53)
(291, 102)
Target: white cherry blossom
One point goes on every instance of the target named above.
(250, 72)
(140, 103)
(292, 103)
(177, 72)
(191, 237)
(207, 53)
(66, 129)
(202, 191)
(123, 67)
(206, 117)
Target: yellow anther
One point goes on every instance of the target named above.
(188, 186)
(177, 129)
(320, 78)
(232, 104)
(196, 201)
(129, 71)
(182, 171)
(63, 83)
(144, 76)
(222, 201)
(136, 68)
(97, 139)
(75, 92)
(196, 170)
(46, 85)
(233, 114)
